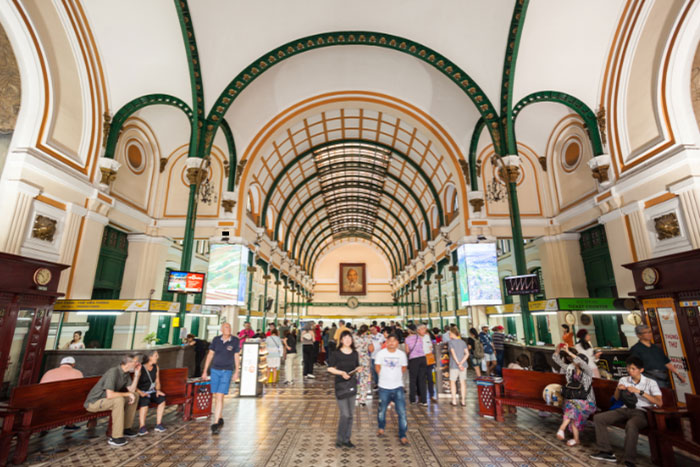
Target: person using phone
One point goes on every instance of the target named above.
(344, 363)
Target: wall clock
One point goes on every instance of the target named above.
(42, 276)
(353, 302)
(650, 276)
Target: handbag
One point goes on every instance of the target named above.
(430, 359)
(346, 388)
(629, 399)
(575, 390)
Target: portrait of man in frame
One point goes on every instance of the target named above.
(352, 279)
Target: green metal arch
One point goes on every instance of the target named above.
(398, 221)
(324, 219)
(309, 256)
(187, 28)
(316, 195)
(232, 157)
(364, 38)
(585, 112)
(305, 256)
(514, 33)
(389, 175)
(134, 106)
(308, 152)
(473, 145)
(313, 263)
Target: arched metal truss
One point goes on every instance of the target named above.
(368, 164)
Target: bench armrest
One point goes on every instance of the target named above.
(671, 412)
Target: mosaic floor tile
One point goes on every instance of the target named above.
(295, 426)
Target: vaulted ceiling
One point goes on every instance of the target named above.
(348, 167)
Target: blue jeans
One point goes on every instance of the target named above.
(499, 362)
(397, 395)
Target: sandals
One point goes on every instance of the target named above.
(453, 404)
(464, 404)
(404, 441)
(572, 442)
(560, 435)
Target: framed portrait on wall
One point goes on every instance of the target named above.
(352, 280)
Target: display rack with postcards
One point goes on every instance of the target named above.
(253, 368)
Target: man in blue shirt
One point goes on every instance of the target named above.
(488, 363)
(224, 352)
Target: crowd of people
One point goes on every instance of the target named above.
(388, 362)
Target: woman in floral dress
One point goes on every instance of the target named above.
(364, 385)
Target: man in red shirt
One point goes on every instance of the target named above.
(317, 342)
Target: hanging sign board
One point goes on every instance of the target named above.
(526, 284)
(249, 369)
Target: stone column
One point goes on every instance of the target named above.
(69, 241)
(17, 197)
(89, 244)
(562, 272)
(688, 191)
(637, 222)
(620, 250)
(143, 272)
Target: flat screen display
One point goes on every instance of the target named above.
(478, 274)
(227, 278)
(463, 281)
(186, 282)
(482, 272)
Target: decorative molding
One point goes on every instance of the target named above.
(340, 38)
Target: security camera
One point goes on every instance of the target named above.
(481, 237)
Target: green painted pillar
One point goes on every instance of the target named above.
(277, 298)
(265, 303)
(439, 299)
(520, 261)
(186, 258)
(420, 300)
(251, 271)
(427, 296)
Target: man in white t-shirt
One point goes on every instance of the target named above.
(647, 394)
(391, 364)
(377, 339)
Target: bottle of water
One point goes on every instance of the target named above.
(548, 398)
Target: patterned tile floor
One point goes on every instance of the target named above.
(295, 426)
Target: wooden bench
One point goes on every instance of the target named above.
(669, 430)
(40, 407)
(523, 388)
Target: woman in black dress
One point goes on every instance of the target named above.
(344, 363)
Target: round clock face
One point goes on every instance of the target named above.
(42, 276)
(650, 276)
(353, 302)
(570, 319)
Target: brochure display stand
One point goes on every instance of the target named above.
(250, 370)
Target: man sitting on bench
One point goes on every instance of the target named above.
(637, 392)
(111, 393)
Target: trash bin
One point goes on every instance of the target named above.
(485, 386)
(200, 391)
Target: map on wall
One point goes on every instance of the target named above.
(227, 275)
(478, 273)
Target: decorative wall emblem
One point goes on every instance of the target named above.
(667, 226)
(44, 228)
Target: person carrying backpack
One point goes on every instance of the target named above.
(476, 350)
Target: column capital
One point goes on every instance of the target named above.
(687, 184)
(99, 218)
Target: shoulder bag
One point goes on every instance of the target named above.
(574, 390)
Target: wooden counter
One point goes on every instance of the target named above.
(94, 362)
(613, 359)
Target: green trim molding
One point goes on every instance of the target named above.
(362, 38)
(589, 118)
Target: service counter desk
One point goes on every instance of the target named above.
(95, 362)
(613, 360)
